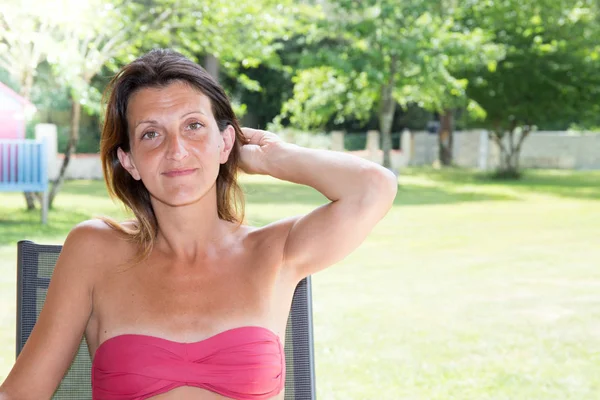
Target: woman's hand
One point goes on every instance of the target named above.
(253, 152)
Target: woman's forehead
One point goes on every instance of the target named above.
(176, 97)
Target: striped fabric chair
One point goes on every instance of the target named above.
(24, 168)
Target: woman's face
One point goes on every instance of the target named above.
(175, 144)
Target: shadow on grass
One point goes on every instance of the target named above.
(572, 184)
(578, 185)
(409, 194)
(20, 224)
(95, 188)
(282, 193)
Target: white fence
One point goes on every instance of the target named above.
(474, 149)
(563, 150)
(81, 166)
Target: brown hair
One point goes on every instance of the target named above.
(159, 68)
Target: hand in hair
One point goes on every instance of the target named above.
(255, 148)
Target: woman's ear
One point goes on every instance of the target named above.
(226, 143)
(127, 163)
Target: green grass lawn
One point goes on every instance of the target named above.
(470, 288)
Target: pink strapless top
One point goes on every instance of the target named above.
(246, 363)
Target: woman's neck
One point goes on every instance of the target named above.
(191, 232)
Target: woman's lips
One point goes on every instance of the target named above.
(179, 172)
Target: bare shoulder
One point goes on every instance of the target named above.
(98, 228)
(94, 242)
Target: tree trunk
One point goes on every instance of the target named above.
(26, 85)
(445, 137)
(510, 153)
(509, 166)
(71, 147)
(211, 64)
(29, 199)
(386, 115)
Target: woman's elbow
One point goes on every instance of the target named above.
(381, 188)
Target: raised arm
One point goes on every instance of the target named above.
(360, 193)
(56, 336)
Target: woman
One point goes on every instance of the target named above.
(186, 292)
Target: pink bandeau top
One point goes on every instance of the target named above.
(245, 363)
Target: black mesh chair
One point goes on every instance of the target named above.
(35, 265)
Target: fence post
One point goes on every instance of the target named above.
(48, 132)
(373, 144)
(44, 165)
(484, 150)
(45, 206)
(407, 146)
(337, 140)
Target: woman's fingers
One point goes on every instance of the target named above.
(259, 137)
(254, 136)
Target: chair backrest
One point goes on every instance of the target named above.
(23, 165)
(35, 266)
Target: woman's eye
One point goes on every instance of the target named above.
(195, 125)
(149, 135)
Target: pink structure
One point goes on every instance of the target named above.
(13, 110)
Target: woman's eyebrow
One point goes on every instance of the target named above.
(194, 112)
(146, 121)
(153, 121)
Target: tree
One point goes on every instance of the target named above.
(442, 91)
(465, 48)
(99, 32)
(26, 37)
(240, 37)
(229, 40)
(77, 38)
(551, 71)
(90, 36)
(372, 55)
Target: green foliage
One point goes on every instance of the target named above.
(322, 93)
(360, 47)
(355, 141)
(550, 74)
(89, 141)
(27, 35)
(85, 42)
(264, 104)
(505, 62)
(580, 128)
(358, 141)
(551, 71)
(8, 80)
(48, 93)
(242, 36)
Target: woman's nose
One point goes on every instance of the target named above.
(176, 148)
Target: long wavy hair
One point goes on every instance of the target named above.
(159, 68)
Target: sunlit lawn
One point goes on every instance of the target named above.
(468, 289)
